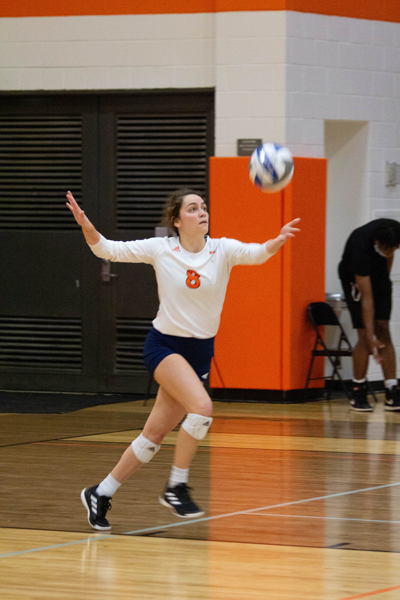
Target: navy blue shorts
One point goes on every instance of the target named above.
(196, 351)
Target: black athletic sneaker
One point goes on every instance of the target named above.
(392, 399)
(97, 507)
(359, 402)
(179, 501)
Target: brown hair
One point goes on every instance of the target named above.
(173, 205)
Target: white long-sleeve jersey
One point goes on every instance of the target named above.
(191, 286)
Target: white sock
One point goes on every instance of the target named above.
(389, 383)
(359, 380)
(108, 486)
(178, 476)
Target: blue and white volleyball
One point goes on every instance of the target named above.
(271, 167)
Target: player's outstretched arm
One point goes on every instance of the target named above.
(91, 234)
(288, 231)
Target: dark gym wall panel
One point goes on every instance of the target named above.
(64, 323)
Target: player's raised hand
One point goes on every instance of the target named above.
(91, 234)
(289, 230)
(78, 213)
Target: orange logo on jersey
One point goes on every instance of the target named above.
(212, 251)
(177, 249)
(193, 279)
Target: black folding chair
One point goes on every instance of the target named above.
(321, 314)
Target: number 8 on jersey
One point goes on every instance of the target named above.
(193, 279)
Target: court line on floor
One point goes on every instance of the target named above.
(313, 454)
(252, 510)
(53, 546)
(204, 519)
(373, 593)
(325, 518)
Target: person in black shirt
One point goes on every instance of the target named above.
(365, 275)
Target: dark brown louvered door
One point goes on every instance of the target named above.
(151, 145)
(62, 326)
(48, 320)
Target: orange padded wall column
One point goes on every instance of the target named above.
(303, 269)
(248, 344)
(265, 340)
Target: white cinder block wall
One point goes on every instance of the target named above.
(107, 52)
(280, 76)
(250, 61)
(342, 69)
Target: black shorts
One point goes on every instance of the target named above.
(198, 352)
(382, 292)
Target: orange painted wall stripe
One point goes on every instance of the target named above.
(385, 10)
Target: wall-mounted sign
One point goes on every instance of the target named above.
(245, 147)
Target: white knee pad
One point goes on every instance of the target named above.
(144, 449)
(196, 425)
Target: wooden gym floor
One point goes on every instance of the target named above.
(302, 501)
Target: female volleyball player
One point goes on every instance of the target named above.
(192, 273)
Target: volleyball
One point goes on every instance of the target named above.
(271, 167)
